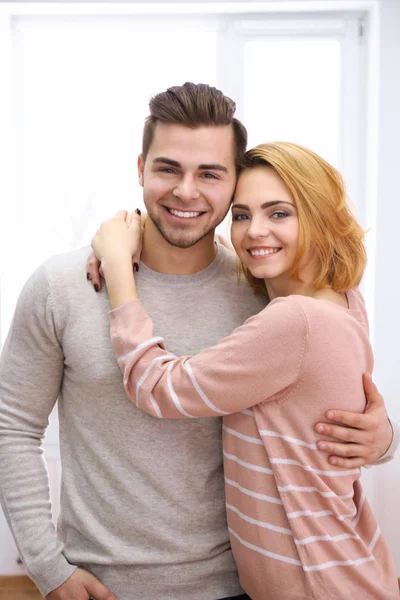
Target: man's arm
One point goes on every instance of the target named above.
(31, 369)
(363, 439)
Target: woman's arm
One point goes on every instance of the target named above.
(255, 363)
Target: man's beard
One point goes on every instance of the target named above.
(182, 239)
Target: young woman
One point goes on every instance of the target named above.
(299, 527)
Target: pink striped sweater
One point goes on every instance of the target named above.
(299, 527)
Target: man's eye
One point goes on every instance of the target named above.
(239, 217)
(167, 170)
(209, 176)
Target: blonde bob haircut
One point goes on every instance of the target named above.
(327, 226)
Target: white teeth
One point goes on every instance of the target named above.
(264, 251)
(185, 215)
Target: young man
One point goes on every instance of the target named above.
(134, 517)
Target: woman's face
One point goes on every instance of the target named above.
(265, 225)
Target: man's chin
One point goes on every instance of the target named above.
(183, 242)
(182, 239)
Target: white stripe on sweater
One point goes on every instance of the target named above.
(156, 407)
(326, 538)
(360, 507)
(262, 524)
(174, 397)
(374, 539)
(252, 494)
(283, 461)
(292, 561)
(247, 465)
(150, 342)
(241, 436)
(285, 531)
(295, 463)
(339, 563)
(299, 488)
(319, 513)
(287, 438)
(147, 371)
(279, 557)
(200, 391)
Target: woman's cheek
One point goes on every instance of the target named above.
(236, 238)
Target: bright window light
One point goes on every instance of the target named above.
(292, 93)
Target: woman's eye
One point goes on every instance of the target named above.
(239, 217)
(279, 214)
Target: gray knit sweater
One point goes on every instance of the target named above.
(147, 519)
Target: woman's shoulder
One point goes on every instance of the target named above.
(325, 310)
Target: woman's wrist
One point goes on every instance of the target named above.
(117, 262)
(118, 273)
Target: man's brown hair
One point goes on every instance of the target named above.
(194, 105)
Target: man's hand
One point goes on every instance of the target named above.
(81, 586)
(363, 438)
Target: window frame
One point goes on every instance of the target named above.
(301, 19)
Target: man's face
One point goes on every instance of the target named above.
(188, 180)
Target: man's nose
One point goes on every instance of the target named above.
(186, 189)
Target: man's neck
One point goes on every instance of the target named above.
(159, 255)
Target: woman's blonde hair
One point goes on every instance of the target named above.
(326, 223)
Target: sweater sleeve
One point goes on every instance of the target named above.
(31, 368)
(259, 360)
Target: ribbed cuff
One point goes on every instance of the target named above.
(51, 575)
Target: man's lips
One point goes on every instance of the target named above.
(184, 214)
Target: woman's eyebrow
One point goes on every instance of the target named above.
(265, 205)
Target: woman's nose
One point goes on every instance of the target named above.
(258, 229)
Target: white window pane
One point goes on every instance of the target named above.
(292, 93)
(85, 88)
(82, 87)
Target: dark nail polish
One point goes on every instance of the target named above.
(88, 277)
(135, 266)
(138, 211)
(96, 287)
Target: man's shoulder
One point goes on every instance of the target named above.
(62, 271)
(67, 261)
(67, 268)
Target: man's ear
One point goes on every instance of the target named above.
(140, 166)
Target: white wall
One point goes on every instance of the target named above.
(387, 298)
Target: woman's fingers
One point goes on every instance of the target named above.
(93, 271)
(122, 214)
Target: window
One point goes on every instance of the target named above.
(78, 85)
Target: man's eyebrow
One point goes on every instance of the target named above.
(203, 167)
(265, 205)
(213, 167)
(167, 161)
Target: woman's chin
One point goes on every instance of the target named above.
(263, 272)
